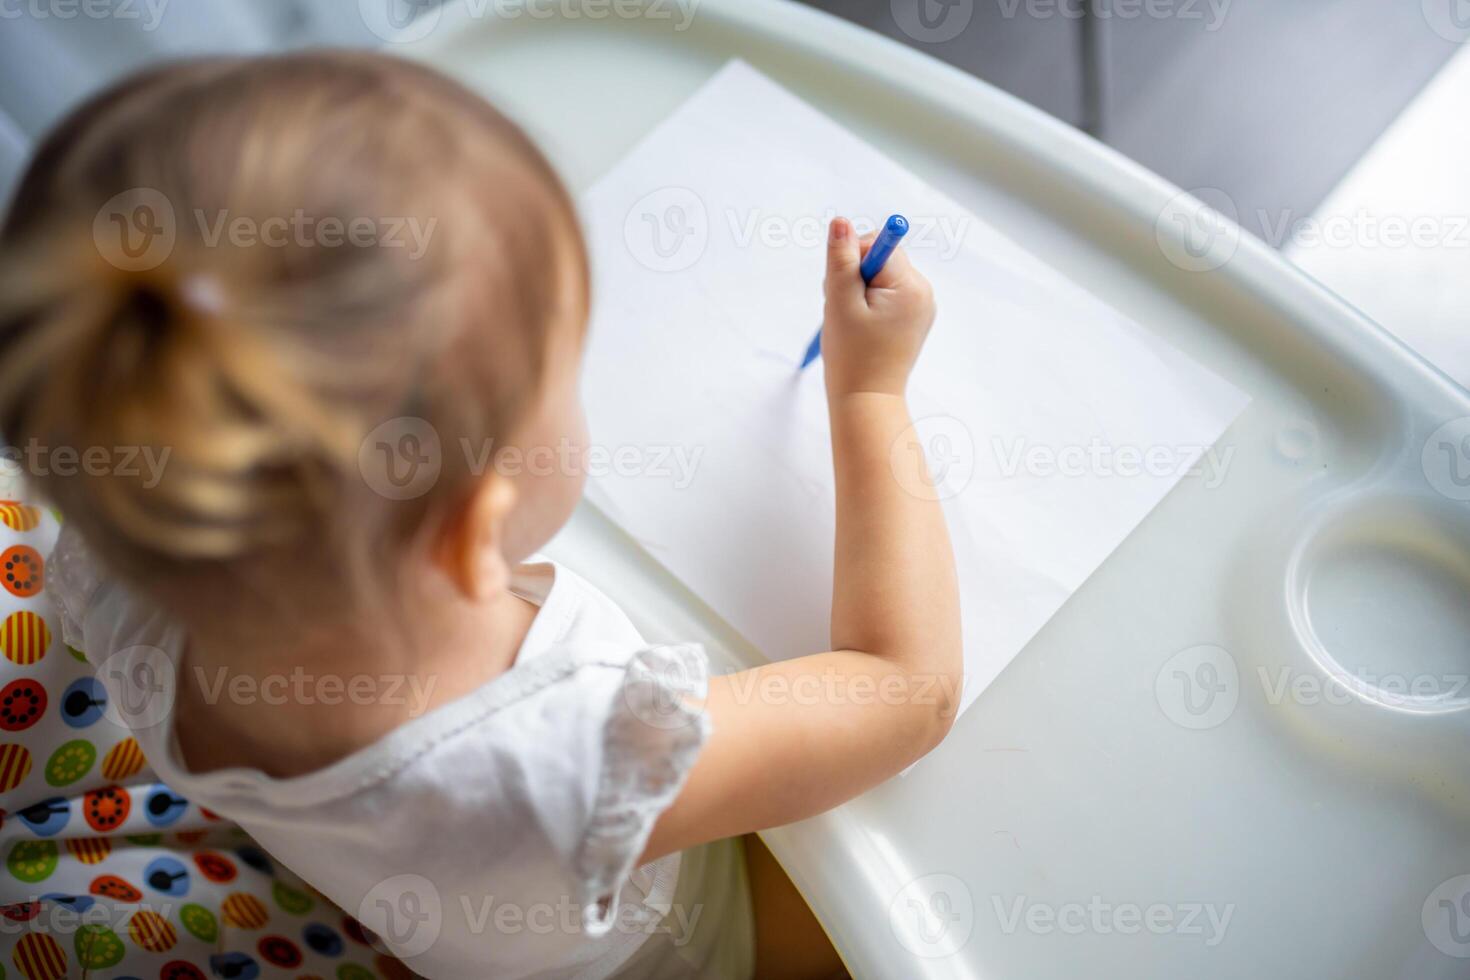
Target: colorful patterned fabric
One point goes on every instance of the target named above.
(108, 873)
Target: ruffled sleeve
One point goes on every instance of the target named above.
(655, 729)
(74, 578)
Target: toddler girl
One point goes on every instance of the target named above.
(213, 261)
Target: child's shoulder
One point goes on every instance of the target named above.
(585, 692)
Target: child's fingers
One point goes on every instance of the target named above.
(844, 285)
(895, 271)
(842, 247)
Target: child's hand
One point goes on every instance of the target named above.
(895, 597)
(871, 334)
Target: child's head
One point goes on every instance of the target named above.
(355, 240)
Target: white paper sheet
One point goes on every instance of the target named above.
(1053, 425)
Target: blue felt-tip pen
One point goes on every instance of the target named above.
(888, 238)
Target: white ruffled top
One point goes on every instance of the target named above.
(494, 836)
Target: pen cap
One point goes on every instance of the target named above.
(883, 245)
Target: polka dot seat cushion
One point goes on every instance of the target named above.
(109, 874)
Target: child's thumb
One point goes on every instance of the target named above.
(844, 257)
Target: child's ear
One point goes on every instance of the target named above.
(471, 549)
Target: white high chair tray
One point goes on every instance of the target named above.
(1167, 782)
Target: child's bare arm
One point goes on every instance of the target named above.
(795, 738)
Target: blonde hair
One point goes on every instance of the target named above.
(261, 367)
